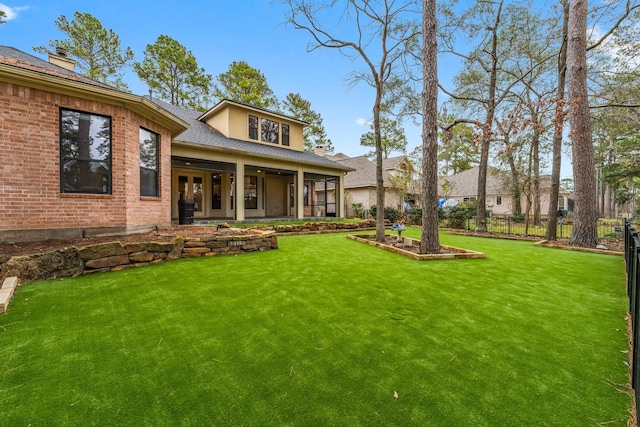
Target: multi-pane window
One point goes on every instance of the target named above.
(285, 135)
(85, 153)
(250, 192)
(498, 200)
(270, 131)
(253, 127)
(148, 163)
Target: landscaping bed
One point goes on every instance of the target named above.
(410, 248)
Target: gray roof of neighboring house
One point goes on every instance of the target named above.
(337, 156)
(364, 174)
(465, 184)
(17, 58)
(202, 134)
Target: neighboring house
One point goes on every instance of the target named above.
(360, 184)
(78, 157)
(500, 201)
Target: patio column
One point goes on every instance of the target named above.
(300, 194)
(340, 196)
(239, 190)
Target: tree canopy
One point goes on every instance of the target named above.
(96, 50)
(173, 72)
(458, 150)
(392, 138)
(314, 134)
(243, 83)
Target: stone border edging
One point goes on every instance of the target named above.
(542, 244)
(7, 290)
(494, 236)
(539, 243)
(460, 253)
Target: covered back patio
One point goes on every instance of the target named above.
(253, 190)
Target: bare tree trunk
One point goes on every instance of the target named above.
(481, 218)
(537, 220)
(585, 231)
(430, 240)
(554, 191)
(380, 230)
(602, 188)
(516, 187)
(608, 208)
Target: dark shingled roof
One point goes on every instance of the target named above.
(16, 58)
(202, 134)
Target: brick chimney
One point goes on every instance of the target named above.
(61, 60)
(319, 150)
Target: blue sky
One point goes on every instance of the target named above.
(219, 32)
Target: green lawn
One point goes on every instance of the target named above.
(322, 332)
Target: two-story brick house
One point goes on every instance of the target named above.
(78, 157)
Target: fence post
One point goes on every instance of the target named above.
(508, 226)
(634, 317)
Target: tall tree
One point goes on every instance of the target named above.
(479, 82)
(391, 25)
(585, 230)
(3, 17)
(243, 83)
(558, 127)
(392, 138)
(610, 15)
(314, 134)
(173, 71)
(97, 50)
(458, 150)
(429, 240)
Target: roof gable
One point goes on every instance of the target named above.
(225, 103)
(201, 134)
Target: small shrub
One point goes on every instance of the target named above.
(457, 216)
(358, 210)
(414, 216)
(517, 218)
(390, 213)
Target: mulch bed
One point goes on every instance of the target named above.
(415, 249)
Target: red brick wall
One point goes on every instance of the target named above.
(30, 197)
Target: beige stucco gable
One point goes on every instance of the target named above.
(232, 120)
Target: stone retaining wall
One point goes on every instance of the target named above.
(113, 256)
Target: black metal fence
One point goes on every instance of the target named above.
(632, 259)
(509, 226)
